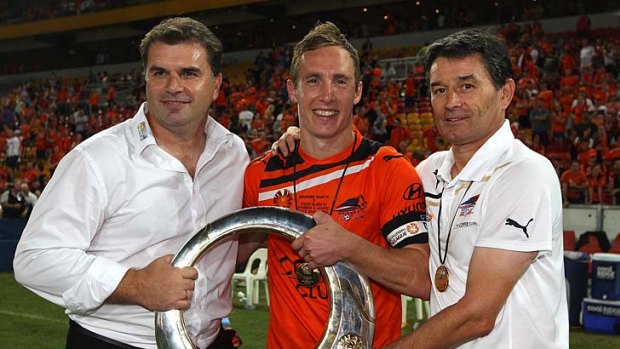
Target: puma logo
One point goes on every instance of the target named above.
(514, 223)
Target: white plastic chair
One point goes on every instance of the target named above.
(252, 280)
(421, 308)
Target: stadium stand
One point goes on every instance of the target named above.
(567, 105)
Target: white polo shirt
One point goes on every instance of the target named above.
(507, 197)
(118, 201)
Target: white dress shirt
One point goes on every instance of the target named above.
(118, 201)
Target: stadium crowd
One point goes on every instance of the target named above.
(567, 107)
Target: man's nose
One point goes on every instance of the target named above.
(453, 99)
(174, 83)
(327, 91)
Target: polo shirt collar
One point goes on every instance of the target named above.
(484, 160)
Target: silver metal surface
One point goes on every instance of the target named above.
(351, 320)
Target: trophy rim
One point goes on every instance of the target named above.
(351, 317)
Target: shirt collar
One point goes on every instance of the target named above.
(141, 134)
(484, 159)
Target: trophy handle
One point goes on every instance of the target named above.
(351, 319)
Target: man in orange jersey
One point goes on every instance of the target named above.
(374, 223)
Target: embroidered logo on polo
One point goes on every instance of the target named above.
(512, 222)
(283, 198)
(437, 179)
(467, 207)
(351, 208)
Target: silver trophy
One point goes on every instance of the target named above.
(351, 321)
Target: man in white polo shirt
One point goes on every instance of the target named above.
(495, 211)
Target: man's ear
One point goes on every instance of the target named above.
(506, 93)
(292, 93)
(218, 83)
(358, 92)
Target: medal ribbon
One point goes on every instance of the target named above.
(442, 260)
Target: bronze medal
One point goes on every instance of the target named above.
(441, 278)
(306, 276)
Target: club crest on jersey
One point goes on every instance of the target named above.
(467, 207)
(283, 198)
(351, 208)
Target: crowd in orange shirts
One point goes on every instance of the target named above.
(567, 107)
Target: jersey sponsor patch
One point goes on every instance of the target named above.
(405, 231)
(283, 198)
(413, 192)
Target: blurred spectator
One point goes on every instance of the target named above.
(12, 202)
(246, 116)
(411, 92)
(586, 55)
(584, 24)
(580, 106)
(29, 199)
(614, 182)
(558, 125)
(79, 121)
(379, 126)
(596, 182)
(574, 185)
(399, 135)
(537, 144)
(360, 121)
(13, 149)
(389, 72)
(540, 119)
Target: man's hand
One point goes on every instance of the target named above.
(286, 144)
(158, 286)
(326, 243)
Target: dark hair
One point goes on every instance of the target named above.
(323, 35)
(177, 30)
(468, 42)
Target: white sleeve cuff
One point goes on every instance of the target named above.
(94, 287)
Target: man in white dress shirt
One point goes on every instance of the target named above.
(103, 233)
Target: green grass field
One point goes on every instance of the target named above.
(28, 321)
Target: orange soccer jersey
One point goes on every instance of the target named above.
(380, 198)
